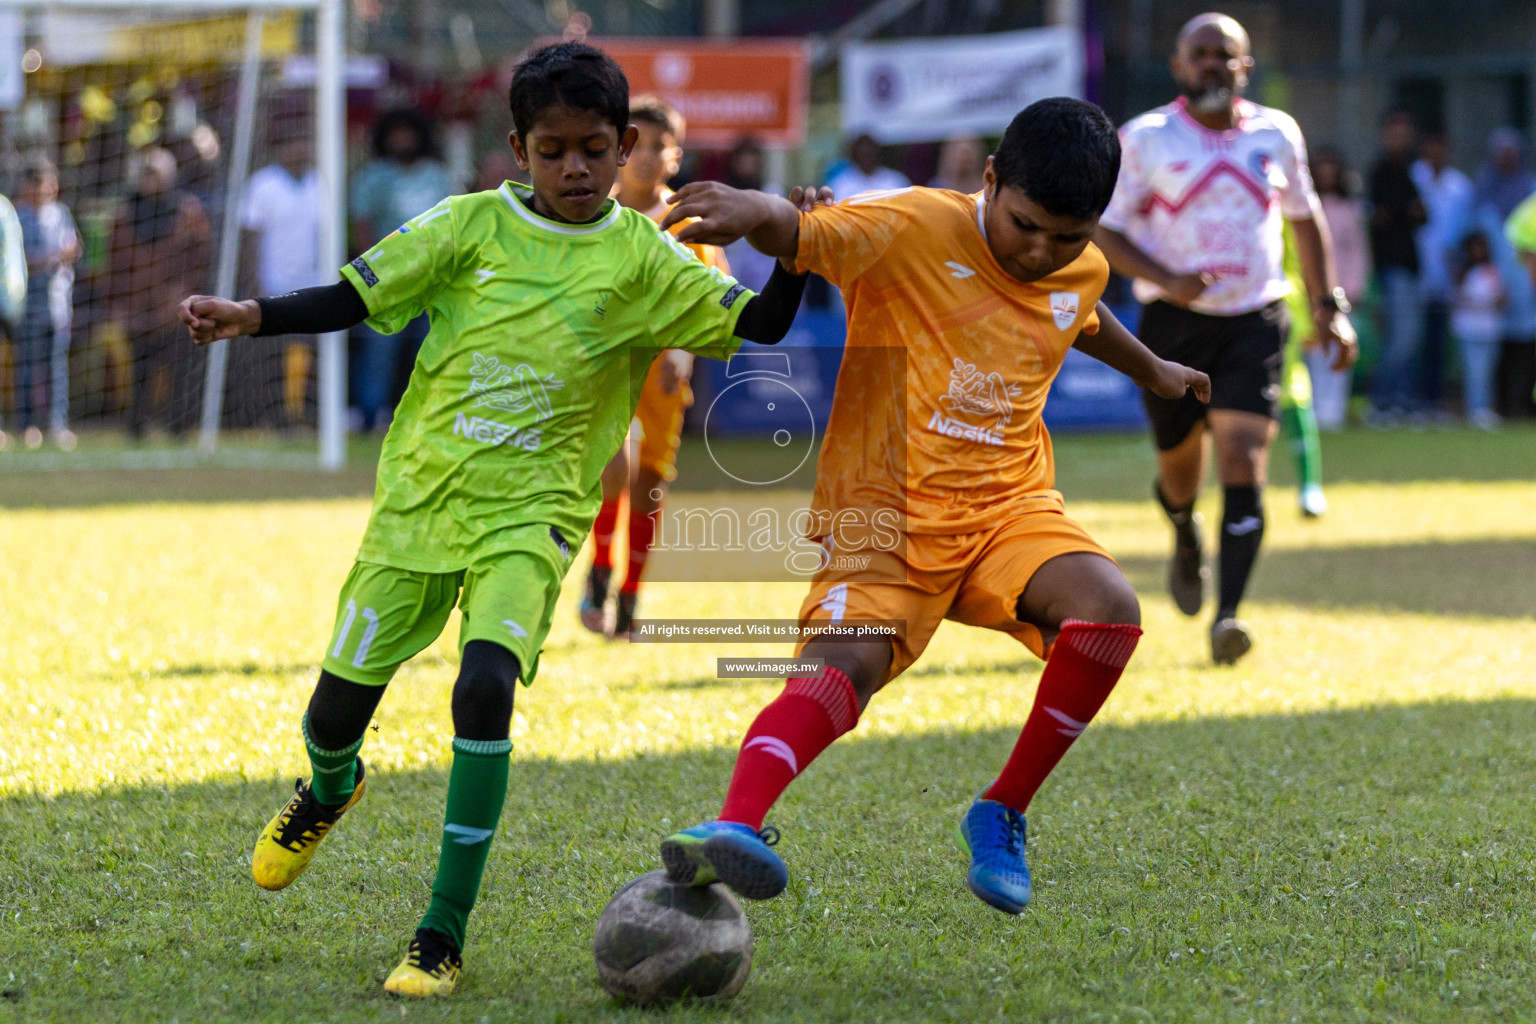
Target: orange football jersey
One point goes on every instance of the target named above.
(709, 255)
(948, 362)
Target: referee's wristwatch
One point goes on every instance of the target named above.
(1335, 302)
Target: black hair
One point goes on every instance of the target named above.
(653, 110)
(36, 169)
(1346, 185)
(1063, 154)
(572, 75)
(404, 117)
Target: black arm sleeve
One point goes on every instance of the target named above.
(767, 315)
(334, 307)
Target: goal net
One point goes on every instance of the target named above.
(151, 151)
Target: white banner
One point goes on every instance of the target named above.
(12, 87)
(926, 90)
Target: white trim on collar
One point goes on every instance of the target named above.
(981, 223)
(554, 226)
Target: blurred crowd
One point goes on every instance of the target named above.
(1440, 266)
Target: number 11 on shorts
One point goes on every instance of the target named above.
(369, 616)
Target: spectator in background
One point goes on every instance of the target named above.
(52, 245)
(863, 172)
(1397, 213)
(280, 238)
(962, 162)
(1504, 181)
(404, 179)
(1447, 197)
(1345, 215)
(497, 167)
(745, 169)
(200, 171)
(13, 282)
(744, 165)
(159, 253)
(1477, 320)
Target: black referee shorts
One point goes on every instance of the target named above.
(1241, 354)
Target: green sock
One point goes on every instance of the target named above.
(334, 771)
(477, 787)
(1300, 425)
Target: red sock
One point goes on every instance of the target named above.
(642, 534)
(786, 736)
(602, 534)
(1085, 663)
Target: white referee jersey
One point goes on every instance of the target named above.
(1201, 200)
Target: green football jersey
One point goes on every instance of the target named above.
(542, 333)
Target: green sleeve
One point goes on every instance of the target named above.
(693, 307)
(1520, 229)
(401, 276)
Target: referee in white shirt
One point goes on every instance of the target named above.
(1197, 219)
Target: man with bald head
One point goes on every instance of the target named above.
(1206, 185)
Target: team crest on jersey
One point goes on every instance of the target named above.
(1063, 309)
(512, 389)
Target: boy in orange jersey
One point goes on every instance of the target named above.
(978, 298)
(644, 469)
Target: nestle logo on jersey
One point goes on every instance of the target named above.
(491, 432)
(941, 424)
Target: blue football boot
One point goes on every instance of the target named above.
(729, 852)
(993, 834)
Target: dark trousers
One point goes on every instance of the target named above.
(167, 384)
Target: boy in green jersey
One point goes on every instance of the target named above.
(547, 305)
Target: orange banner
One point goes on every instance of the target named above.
(726, 89)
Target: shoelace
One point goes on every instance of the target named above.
(769, 835)
(301, 818)
(439, 956)
(1011, 830)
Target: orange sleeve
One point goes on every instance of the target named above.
(844, 241)
(1091, 321)
(710, 256)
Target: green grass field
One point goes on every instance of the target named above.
(1339, 829)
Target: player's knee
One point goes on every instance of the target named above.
(865, 665)
(1112, 603)
(482, 694)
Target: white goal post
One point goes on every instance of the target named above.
(329, 127)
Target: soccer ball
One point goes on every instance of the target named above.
(658, 942)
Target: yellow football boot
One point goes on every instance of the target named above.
(431, 967)
(289, 841)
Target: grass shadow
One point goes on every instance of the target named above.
(1327, 865)
(1089, 467)
(1473, 577)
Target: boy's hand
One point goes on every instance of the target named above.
(210, 318)
(1182, 289)
(724, 213)
(805, 199)
(1171, 380)
(1333, 332)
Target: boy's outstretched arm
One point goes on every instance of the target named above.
(770, 313)
(334, 307)
(1117, 347)
(769, 223)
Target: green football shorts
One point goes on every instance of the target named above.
(386, 616)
